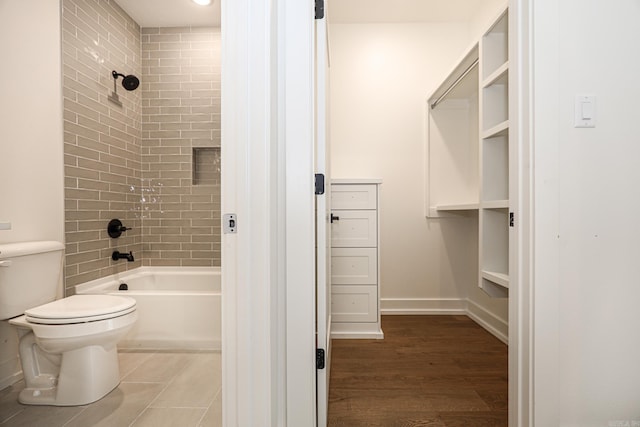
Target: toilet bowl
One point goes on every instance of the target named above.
(68, 346)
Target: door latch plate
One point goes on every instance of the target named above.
(229, 224)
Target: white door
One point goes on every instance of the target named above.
(323, 230)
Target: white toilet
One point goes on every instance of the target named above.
(67, 346)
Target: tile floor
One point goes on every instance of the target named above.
(157, 389)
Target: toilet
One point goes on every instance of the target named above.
(68, 346)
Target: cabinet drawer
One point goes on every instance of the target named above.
(354, 266)
(354, 303)
(361, 196)
(355, 229)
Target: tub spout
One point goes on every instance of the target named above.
(116, 255)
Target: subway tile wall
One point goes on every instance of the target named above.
(181, 117)
(102, 141)
(134, 161)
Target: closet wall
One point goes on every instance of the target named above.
(381, 75)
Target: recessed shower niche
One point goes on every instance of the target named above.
(206, 165)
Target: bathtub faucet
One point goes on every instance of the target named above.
(116, 255)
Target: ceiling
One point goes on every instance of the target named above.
(176, 13)
(172, 13)
(370, 11)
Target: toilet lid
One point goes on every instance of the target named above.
(80, 309)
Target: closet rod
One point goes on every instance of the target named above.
(454, 84)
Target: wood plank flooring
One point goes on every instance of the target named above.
(435, 371)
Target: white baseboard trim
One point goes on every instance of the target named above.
(493, 324)
(10, 380)
(447, 306)
(422, 306)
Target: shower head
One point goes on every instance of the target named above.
(129, 82)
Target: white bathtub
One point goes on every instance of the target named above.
(178, 307)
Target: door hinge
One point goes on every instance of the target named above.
(319, 9)
(511, 219)
(319, 358)
(319, 183)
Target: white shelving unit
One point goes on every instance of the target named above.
(494, 160)
(468, 151)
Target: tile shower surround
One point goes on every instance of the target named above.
(181, 113)
(113, 153)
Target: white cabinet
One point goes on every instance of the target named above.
(355, 259)
(468, 155)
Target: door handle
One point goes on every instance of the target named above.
(334, 218)
(6, 263)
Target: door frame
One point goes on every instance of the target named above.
(268, 280)
(521, 319)
(267, 156)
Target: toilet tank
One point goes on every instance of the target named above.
(30, 274)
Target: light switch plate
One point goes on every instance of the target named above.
(5, 225)
(585, 111)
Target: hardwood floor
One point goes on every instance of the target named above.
(436, 371)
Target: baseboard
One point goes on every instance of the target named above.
(10, 380)
(447, 306)
(422, 306)
(493, 324)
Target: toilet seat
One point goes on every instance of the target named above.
(81, 309)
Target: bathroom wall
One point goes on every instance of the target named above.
(102, 140)
(135, 162)
(181, 129)
(32, 191)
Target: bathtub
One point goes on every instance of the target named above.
(178, 307)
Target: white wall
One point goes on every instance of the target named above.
(31, 159)
(487, 14)
(381, 75)
(587, 273)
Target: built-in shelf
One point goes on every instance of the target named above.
(468, 167)
(501, 129)
(458, 207)
(493, 289)
(495, 204)
(495, 46)
(498, 278)
(495, 104)
(5, 225)
(497, 76)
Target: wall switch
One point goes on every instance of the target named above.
(5, 225)
(585, 111)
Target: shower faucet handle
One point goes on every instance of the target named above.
(115, 228)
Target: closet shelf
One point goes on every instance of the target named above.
(495, 204)
(501, 129)
(500, 279)
(459, 207)
(499, 76)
